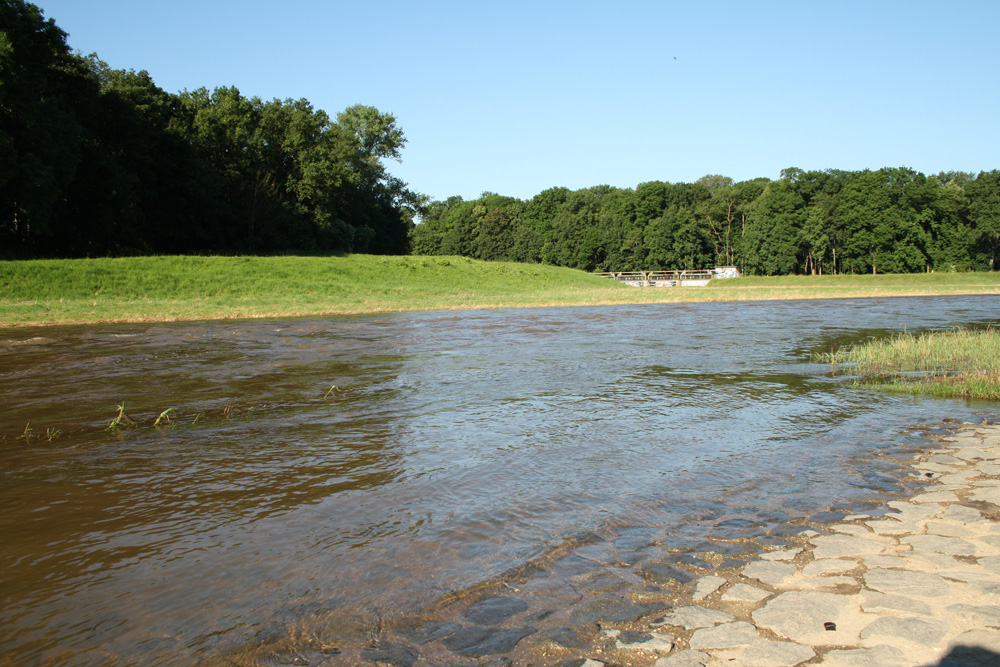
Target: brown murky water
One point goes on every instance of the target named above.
(329, 476)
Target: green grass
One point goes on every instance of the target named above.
(190, 288)
(905, 280)
(861, 285)
(960, 362)
(193, 288)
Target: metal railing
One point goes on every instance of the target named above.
(660, 278)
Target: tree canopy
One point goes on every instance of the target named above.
(891, 220)
(98, 161)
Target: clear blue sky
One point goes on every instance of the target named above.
(517, 97)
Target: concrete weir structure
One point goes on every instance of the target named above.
(671, 278)
(917, 586)
(661, 278)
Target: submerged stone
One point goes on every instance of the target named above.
(433, 631)
(391, 656)
(541, 615)
(787, 530)
(602, 582)
(733, 564)
(523, 573)
(664, 573)
(613, 610)
(495, 610)
(477, 641)
(579, 637)
(691, 560)
(727, 548)
(651, 642)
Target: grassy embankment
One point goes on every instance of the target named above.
(192, 288)
(946, 363)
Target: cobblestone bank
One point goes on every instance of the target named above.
(918, 586)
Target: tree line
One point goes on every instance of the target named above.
(891, 220)
(98, 161)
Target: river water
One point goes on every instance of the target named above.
(379, 463)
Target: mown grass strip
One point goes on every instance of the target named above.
(960, 362)
(168, 288)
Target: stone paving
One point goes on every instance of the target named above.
(918, 586)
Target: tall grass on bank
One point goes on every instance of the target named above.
(960, 362)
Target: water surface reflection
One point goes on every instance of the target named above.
(454, 447)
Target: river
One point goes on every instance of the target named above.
(347, 464)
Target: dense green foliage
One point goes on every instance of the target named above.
(95, 161)
(893, 220)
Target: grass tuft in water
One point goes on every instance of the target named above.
(121, 420)
(164, 417)
(960, 362)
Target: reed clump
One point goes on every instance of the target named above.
(960, 362)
